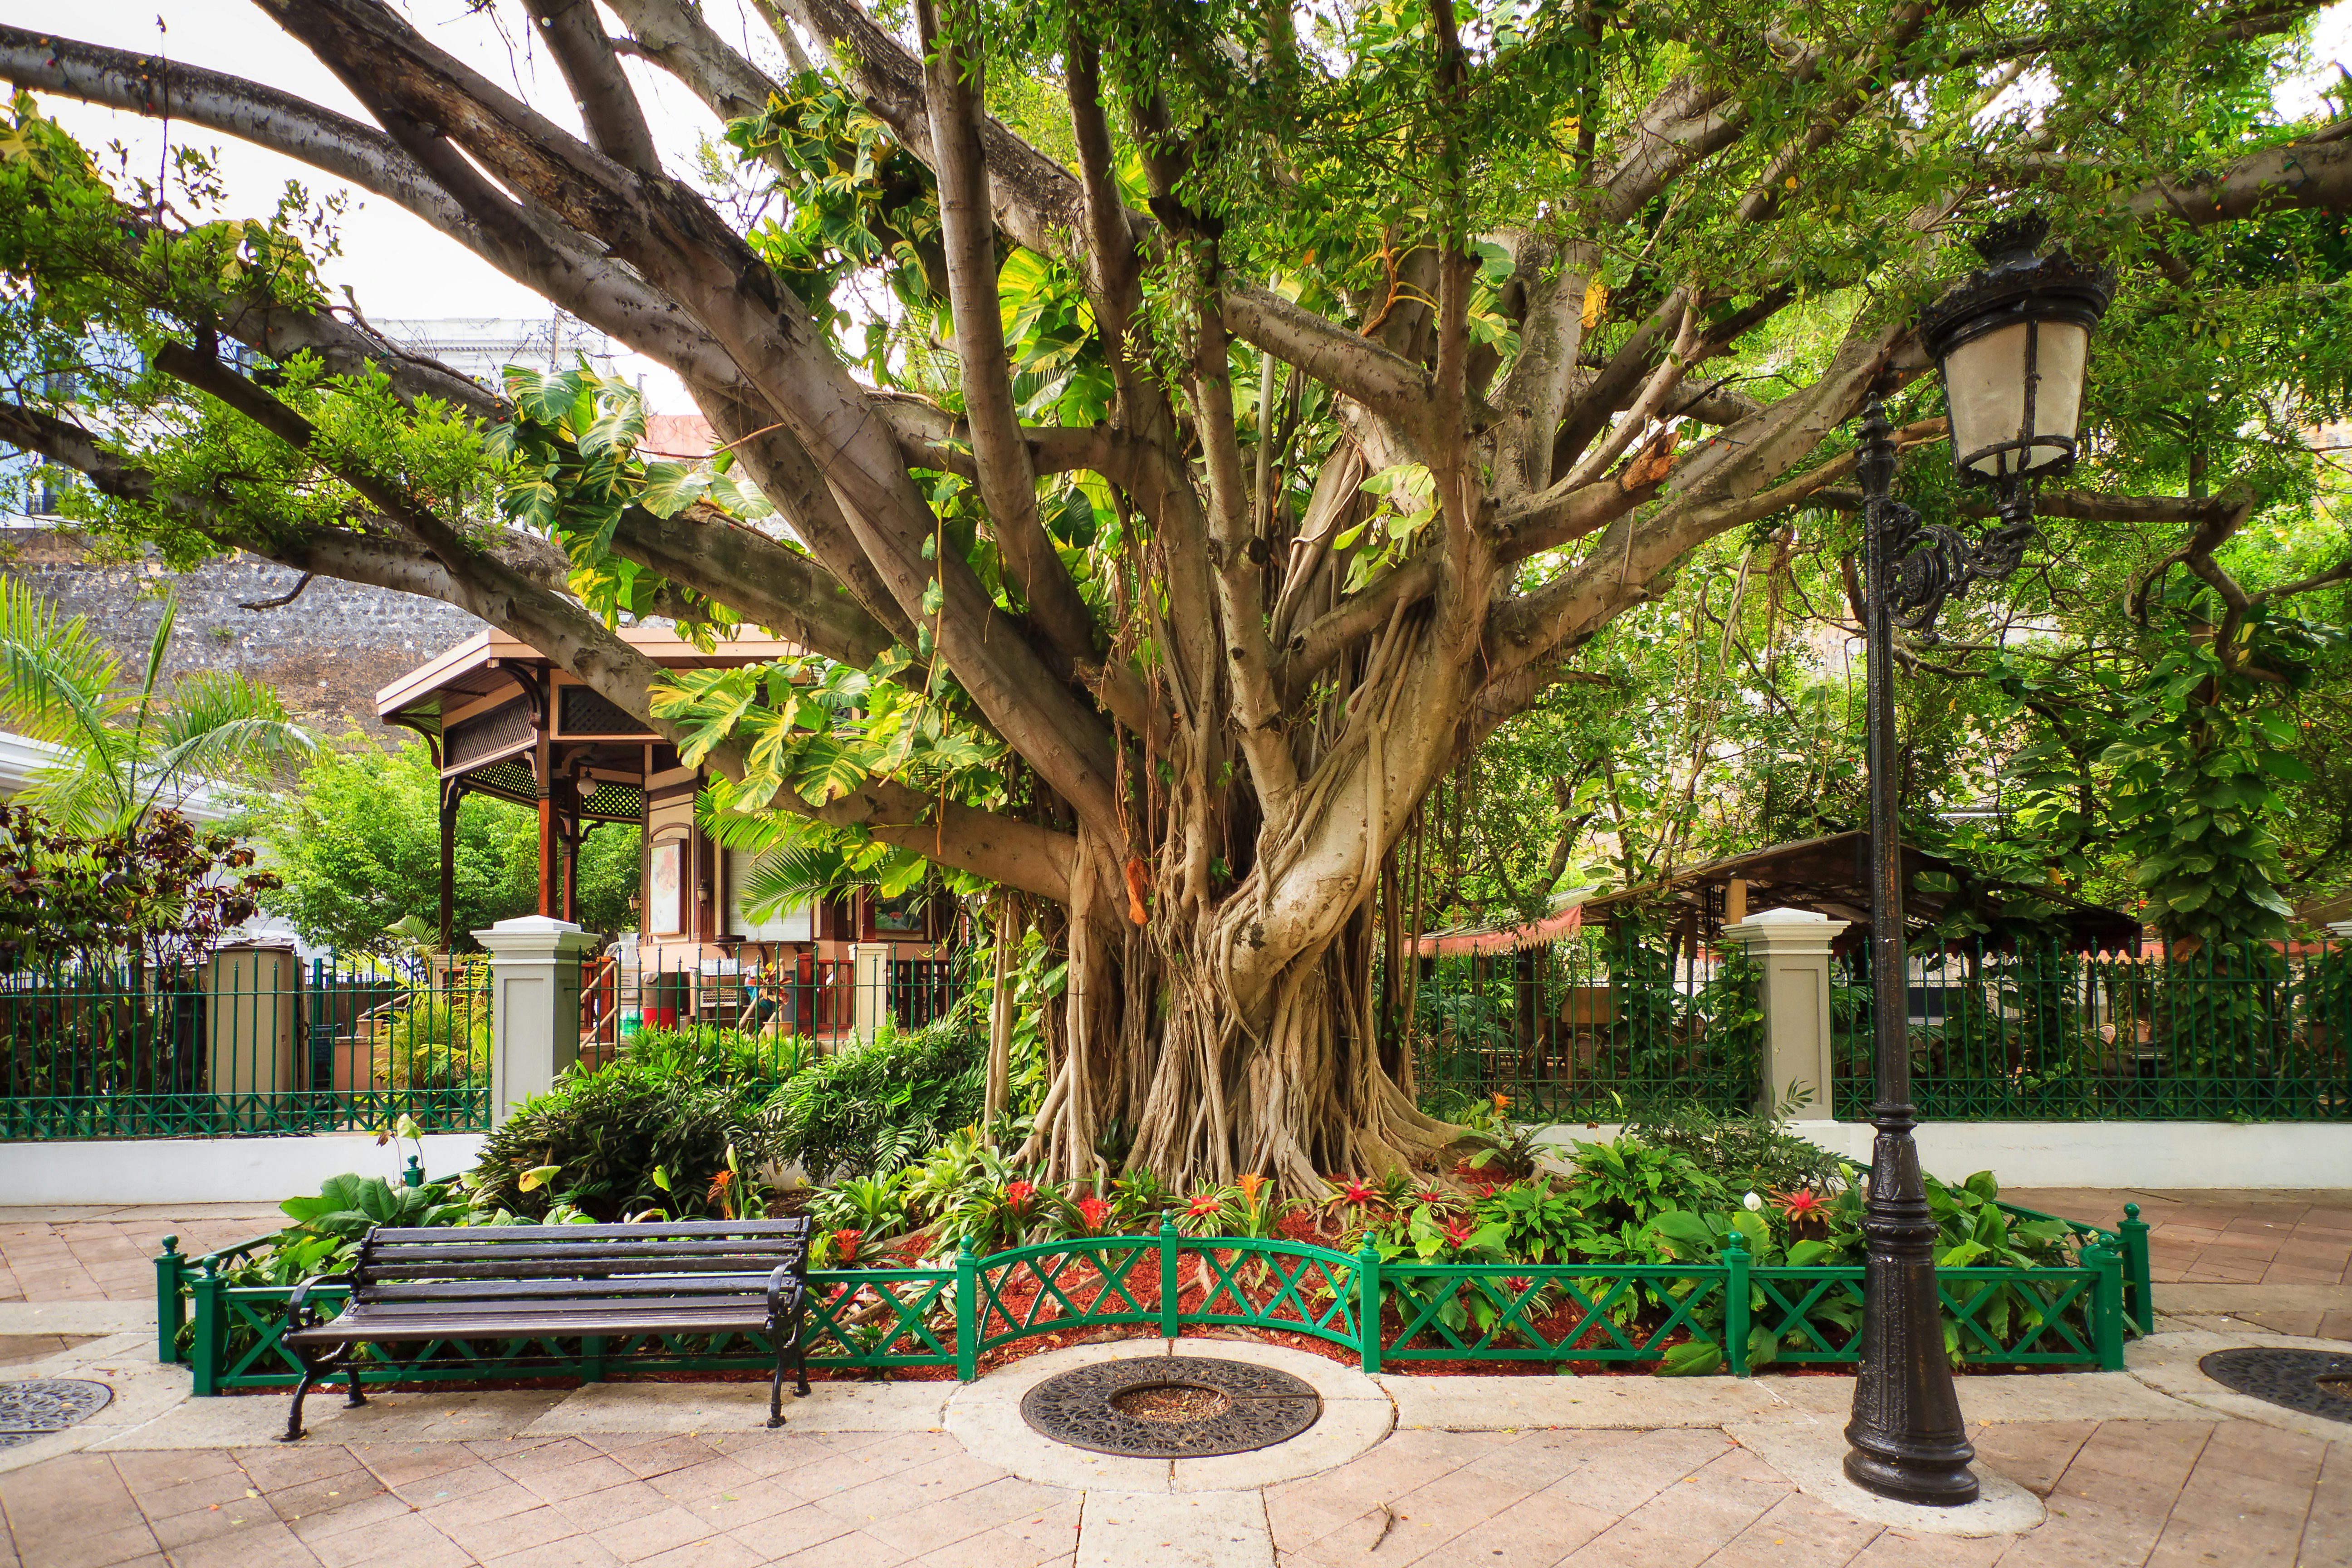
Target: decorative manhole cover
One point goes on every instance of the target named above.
(40, 1405)
(2316, 1383)
(1172, 1407)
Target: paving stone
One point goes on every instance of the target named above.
(648, 1535)
(1174, 1529)
(743, 1407)
(1514, 1403)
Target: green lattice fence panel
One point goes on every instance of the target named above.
(1256, 1284)
(1097, 1283)
(1559, 1312)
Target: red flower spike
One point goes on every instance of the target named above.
(1799, 1205)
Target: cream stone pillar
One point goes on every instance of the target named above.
(1791, 947)
(534, 1005)
(869, 973)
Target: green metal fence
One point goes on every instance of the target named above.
(1397, 1311)
(250, 1042)
(2258, 1032)
(1571, 1029)
(774, 1014)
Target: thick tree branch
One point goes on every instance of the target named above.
(144, 85)
(607, 103)
(1383, 381)
(673, 36)
(1008, 480)
(671, 235)
(2276, 179)
(1035, 200)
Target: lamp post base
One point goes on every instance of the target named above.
(1908, 1440)
(1938, 1481)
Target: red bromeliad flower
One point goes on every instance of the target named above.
(1018, 1195)
(1095, 1212)
(1800, 1204)
(1357, 1191)
(1457, 1231)
(1519, 1284)
(1203, 1205)
(846, 1243)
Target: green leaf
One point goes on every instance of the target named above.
(545, 395)
(671, 488)
(1692, 1358)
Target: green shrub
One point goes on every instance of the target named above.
(606, 1133)
(1746, 1153)
(702, 1053)
(870, 1109)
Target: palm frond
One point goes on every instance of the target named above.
(158, 646)
(220, 736)
(788, 877)
(54, 672)
(80, 799)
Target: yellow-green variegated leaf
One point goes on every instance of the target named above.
(671, 488)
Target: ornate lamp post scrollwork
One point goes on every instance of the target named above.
(2011, 342)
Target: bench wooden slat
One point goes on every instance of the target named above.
(488, 1326)
(555, 1250)
(456, 1311)
(578, 1271)
(632, 1285)
(692, 1229)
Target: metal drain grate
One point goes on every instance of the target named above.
(2315, 1383)
(1241, 1407)
(40, 1405)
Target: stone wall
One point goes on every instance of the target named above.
(327, 652)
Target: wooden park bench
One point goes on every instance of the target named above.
(524, 1281)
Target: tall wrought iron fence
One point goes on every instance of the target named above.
(250, 1041)
(2257, 1032)
(1583, 1030)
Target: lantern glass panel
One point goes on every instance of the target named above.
(1984, 385)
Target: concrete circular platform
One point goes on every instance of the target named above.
(985, 1417)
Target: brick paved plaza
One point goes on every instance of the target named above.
(2149, 1466)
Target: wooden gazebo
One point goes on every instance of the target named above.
(503, 720)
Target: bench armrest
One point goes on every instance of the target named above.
(296, 1309)
(787, 1296)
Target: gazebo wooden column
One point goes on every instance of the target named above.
(453, 791)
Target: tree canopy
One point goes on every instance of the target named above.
(1182, 435)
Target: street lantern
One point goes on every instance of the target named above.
(2011, 340)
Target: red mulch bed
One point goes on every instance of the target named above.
(1017, 1295)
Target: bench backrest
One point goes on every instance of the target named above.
(475, 1263)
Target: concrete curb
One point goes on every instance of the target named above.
(2167, 1363)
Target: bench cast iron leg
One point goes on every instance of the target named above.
(293, 1433)
(776, 1392)
(357, 1398)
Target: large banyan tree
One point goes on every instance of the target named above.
(1189, 429)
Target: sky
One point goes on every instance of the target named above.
(394, 264)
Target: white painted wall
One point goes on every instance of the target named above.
(2097, 1153)
(2021, 1154)
(211, 1170)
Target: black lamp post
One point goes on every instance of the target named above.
(2011, 340)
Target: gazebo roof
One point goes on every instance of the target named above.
(1831, 875)
(474, 669)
